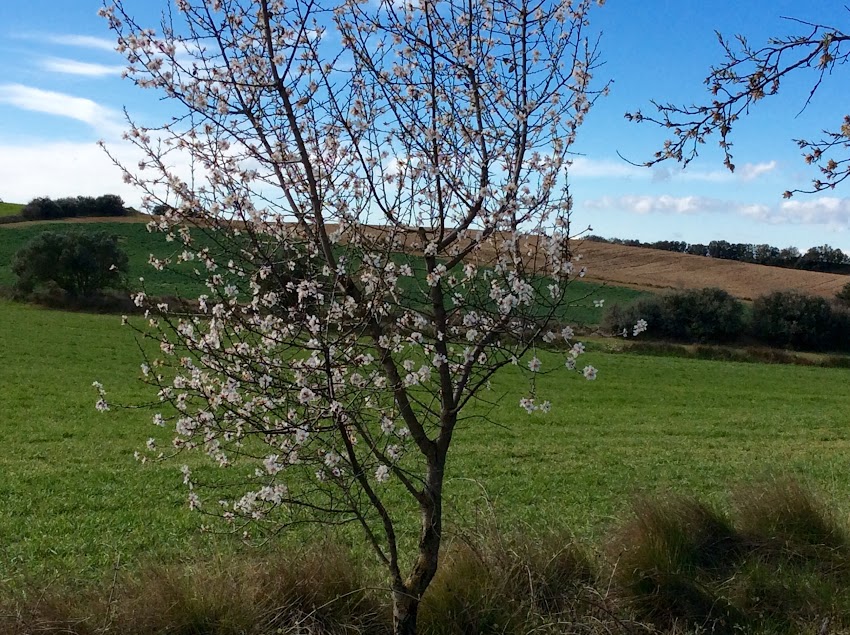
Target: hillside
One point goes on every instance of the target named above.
(652, 269)
(617, 265)
(10, 209)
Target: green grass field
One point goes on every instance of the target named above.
(10, 209)
(73, 500)
(139, 244)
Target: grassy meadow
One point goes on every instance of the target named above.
(9, 209)
(544, 503)
(179, 280)
(74, 501)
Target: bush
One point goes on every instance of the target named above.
(666, 559)
(785, 518)
(699, 315)
(794, 320)
(80, 264)
(843, 296)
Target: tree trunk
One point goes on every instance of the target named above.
(405, 610)
(408, 594)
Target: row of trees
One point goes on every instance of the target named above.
(45, 208)
(822, 258)
(785, 319)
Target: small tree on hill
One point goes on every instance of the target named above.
(383, 187)
(81, 264)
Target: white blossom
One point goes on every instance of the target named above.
(382, 474)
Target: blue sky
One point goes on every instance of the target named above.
(61, 91)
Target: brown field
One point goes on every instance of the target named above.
(133, 218)
(654, 270)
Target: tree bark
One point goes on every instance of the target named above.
(405, 611)
(408, 594)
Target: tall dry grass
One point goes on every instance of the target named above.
(776, 561)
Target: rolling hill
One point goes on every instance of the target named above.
(655, 270)
(642, 268)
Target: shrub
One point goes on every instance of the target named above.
(794, 320)
(798, 558)
(507, 584)
(698, 315)
(80, 264)
(843, 296)
(785, 518)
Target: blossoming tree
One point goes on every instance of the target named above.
(378, 208)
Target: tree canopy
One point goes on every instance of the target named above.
(383, 184)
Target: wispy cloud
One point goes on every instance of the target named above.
(831, 211)
(665, 204)
(82, 41)
(824, 210)
(76, 67)
(583, 167)
(104, 120)
(604, 168)
(752, 171)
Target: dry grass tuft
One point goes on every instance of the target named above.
(665, 559)
(321, 590)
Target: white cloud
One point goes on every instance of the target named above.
(57, 169)
(61, 169)
(752, 171)
(105, 121)
(665, 204)
(583, 167)
(82, 41)
(825, 210)
(660, 173)
(604, 168)
(76, 67)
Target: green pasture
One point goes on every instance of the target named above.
(10, 209)
(73, 501)
(134, 238)
(180, 280)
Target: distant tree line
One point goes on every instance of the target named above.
(45, 208)
(823, 258)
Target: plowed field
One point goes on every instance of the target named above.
(653, 269)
